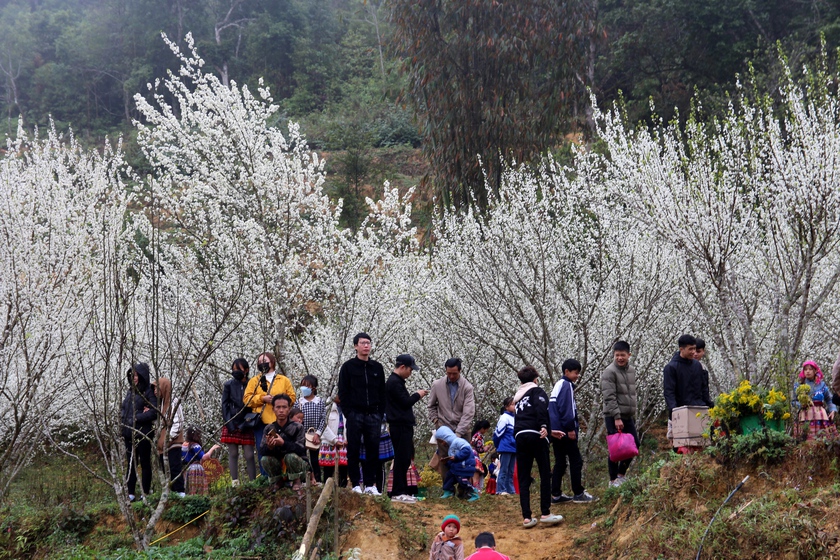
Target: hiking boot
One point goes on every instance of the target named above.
(372, 491)
(584, 498)
(561, 499)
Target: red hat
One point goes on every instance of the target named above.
(451, 519)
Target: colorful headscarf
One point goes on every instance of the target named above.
(813, 364)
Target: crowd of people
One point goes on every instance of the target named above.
(297, 437)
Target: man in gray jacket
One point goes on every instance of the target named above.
(618, 387)
(452, 401)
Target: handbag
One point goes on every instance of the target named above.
(621, 447)
(251, 421)
(310, 439)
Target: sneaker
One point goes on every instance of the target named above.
(404, 499)
(615, 483)
(372, 491)
(621, 479)
(503, 494)
(447, 494)
(561, 499)
(181, 494)
(584, 498)
(358, 489)
(551, 519)
(234, 483)
(131, 497)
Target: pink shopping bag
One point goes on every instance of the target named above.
(621, 447)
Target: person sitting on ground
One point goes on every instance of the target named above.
(191, 456)
(485, 548)
(530, 428)
(564, 432)
(506, 446)
(461, 464)
(447, 545)
(480, 428)
(818, 418)
(284, 445)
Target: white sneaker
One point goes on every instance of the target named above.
(372, 491)
(181, 494)
(404, 499)
(615, 483)
(358, 490)
(621, 479)
(234, 483)
(131, 497)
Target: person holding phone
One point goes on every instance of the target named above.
(260, 392)
(283, 442)
(400, 414)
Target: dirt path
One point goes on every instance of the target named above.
(379, 539)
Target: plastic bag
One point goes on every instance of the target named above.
(621, 447)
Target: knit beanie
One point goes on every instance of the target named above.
(451, 519)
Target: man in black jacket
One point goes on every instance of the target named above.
(685, 382)
(284, 441)
(361, 393)
(398, 411)
(138, 414)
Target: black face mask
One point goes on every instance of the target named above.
(238, 374)
(263, 367)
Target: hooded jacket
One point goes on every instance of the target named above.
(361, 386)
(618, 388)
(561, 407)
(503, 434)
(463, 455)
(458, 415)
(399, 404)
(233, 407)
(139, 407)
(531, 409)
(171, 419)
(685, 383)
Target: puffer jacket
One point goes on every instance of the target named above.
(618, 388)
(462, 454)
(139, 407)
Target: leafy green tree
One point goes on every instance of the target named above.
(492, 82)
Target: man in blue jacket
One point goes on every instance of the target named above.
(564, 432)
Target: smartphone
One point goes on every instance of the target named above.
(272, 432)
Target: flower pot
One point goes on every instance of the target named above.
(777, 425)
(421, 492)
(750, 423)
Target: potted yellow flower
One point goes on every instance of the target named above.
(775, 410)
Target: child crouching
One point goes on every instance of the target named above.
(461, 462)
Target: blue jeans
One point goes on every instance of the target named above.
(504, 480)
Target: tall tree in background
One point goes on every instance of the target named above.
(492, 82)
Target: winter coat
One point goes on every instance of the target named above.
(462, 454)
(503, 434)
(361, 386)
(233, 403)
(562, 408)
(618, 388)
(171, 417)
(399, 404)
(452, 549)
(294, 440)
(139, 398)
(457, 416)
(254, 393)
(531, 410)
(685, 383)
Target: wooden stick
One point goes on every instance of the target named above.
(315, 519)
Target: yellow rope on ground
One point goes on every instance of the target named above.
(179, 528)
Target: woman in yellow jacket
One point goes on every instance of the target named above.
(259, 392)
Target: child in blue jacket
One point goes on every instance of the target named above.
(506, 446)
(461, 463)
(564, 433)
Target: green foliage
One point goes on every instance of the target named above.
(762, 446)
(183, 510)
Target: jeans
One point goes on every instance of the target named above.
(402, 436)
(369, 425)
(504, 480)
(531, 447)
(139, 448)
(566, 448)
(175, 477)
(629, 428)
